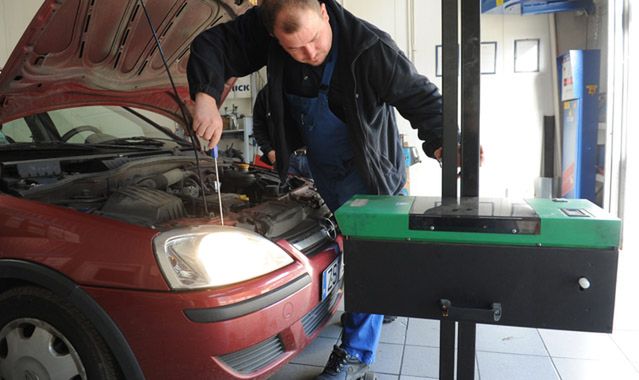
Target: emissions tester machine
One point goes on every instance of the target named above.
(543, 263)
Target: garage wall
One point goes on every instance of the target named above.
(389, 15)
(14, 18)
(570, 33)
(512, 104)
(630, 133)
(579, 30)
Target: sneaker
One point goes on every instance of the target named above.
(342, 366)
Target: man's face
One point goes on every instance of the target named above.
(311, 43)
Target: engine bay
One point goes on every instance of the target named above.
(166, 190)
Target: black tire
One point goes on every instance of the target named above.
(63, 339)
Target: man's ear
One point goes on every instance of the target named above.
(323, 12)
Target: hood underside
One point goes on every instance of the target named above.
(79, 52)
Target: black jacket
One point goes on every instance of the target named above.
(372, 69)
(261, 123)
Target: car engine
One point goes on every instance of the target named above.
(165, 191)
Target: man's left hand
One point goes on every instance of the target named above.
(440, 151)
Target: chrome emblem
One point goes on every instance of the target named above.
(329, 227)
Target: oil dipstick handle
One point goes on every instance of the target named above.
(217, 183)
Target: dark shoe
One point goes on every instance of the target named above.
(342, 319)
(389, 318)
(342, 366)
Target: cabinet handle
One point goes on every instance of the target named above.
(492, 314)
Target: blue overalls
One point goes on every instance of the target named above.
(331, 160)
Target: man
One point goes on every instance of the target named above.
(298, 163)
(333, 82)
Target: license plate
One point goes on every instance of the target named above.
(331, 277)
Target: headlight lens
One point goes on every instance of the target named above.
(210, 256)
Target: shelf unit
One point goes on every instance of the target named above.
(244, 134)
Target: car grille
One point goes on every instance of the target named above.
(315, 317)
(253, 358)
(312, 237)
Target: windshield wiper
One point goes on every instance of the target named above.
(136, 140)
(180, 140)
(49, 145)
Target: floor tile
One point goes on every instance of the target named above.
(514, 340)
(395, 332)
(297, 372)
(383, 376)
(388, 359)
(316, 353)
(626, 305)
(422, 332)
(580, 345)
(507, 353)
(420, 361)
(334, 328)
(581, 369)
(628, 342)
(500, 366)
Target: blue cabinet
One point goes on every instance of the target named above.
(579, 89)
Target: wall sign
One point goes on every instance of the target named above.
(488, 57)
(527, 55)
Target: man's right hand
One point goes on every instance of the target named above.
(207, 122)
(271, 156)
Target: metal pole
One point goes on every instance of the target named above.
(470, 91)
(450, 83)
(466, 351)
(446, 350)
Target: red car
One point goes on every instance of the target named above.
(114, 262)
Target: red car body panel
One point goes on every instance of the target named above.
(123, 277)
(81, 52)
(79, 245)
(171, 346)
(84, 52)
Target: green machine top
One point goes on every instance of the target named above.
(533, 222)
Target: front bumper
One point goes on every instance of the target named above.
(192, 335)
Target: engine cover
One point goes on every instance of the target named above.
(144, 206)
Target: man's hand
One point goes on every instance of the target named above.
(207, 122)
(271, 156)
(440, 151)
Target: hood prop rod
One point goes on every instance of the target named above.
(186, 116)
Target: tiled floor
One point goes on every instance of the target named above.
(408, 348)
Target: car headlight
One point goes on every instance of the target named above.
(209, 256)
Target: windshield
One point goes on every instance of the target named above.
(87, 126)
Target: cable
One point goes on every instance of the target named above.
(181, 105)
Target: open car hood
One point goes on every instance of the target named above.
(82, 52)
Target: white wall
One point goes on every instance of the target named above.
(388, 15)
(631, 111)
(14, 18)
(571, 35)
(512, 104)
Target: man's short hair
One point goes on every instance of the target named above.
(272, 8)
